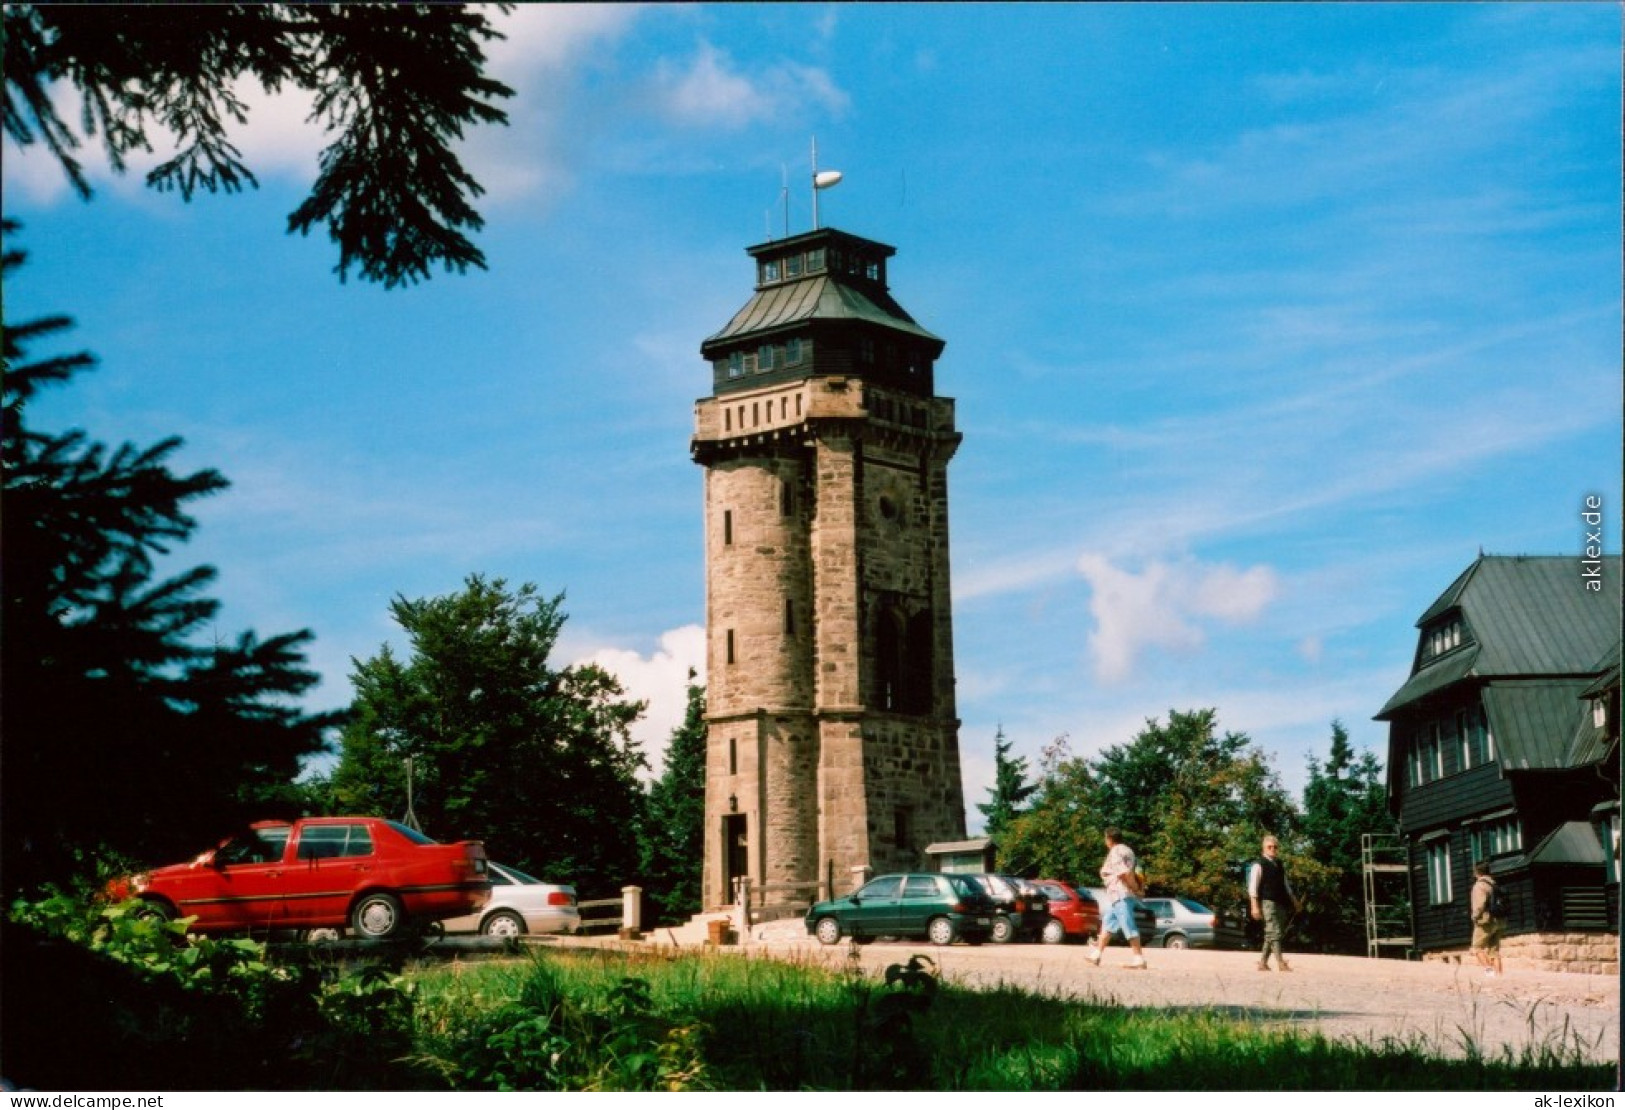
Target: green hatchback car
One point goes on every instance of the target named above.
(940, 908)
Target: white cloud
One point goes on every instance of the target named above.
(661, 679)
(1162, 607)
(710, 91)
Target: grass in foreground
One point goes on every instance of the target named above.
(618, 1021)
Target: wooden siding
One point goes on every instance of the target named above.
(1455, 798)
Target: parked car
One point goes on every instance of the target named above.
(1072, 912)
(520, 904)
(1022, 908)
(941, 908)
(366, 873)
(1182, 923)
(1144, 919)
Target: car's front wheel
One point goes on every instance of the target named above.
(828, 930)
(1054, 931)
(1004, 930)
(1174, 940)
(942, 931)
(151, 909)
(377, 916)
(503, 923)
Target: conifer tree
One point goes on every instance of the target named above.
(1010, 789)
(673, 841)
(128, 725)
(393, 85)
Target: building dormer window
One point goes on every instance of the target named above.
(736, 365)
(770, 270)
(1440, 638)
(815, 259)
(792, 266)
(792, 352)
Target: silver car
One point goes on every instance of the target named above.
(521, 904)
(1182, 923)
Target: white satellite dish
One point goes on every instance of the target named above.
(825, 178)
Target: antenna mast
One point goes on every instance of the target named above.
(824, 180)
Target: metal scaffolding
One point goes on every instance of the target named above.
(1386, 873)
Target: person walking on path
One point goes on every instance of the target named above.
(1485, 909)
(1121, 878)
(1272, 902)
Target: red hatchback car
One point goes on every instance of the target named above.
(1072, 912)
(366, 873)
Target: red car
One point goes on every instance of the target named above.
(1072, 912)
(366, 873)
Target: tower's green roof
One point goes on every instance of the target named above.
(831, 294)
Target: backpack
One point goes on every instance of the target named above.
(1492, 904)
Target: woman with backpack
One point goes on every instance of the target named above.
(1484, 905)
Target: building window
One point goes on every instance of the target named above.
(1496, 838)
(900, 828)
(792, 266)
(866, 350)
(730, 645)
(1607, 826)
(787, 498)
(736, 365)
(727, 526)
(1438, 860)
(770, 270)
(1476, 749)
(815, 259)
(789, 617)
(1426, 759)
(764, 359)
(792, 352)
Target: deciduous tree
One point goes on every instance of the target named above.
(533, 759)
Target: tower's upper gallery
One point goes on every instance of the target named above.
(821, 307)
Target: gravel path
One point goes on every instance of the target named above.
(1448, 1006)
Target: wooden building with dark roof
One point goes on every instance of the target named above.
(1504, 746)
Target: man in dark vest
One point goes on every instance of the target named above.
(1273, 902)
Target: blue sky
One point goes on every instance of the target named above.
(1262, 322)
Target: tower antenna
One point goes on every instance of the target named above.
(827, 179)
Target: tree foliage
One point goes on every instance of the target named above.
(1344, 799)
(672, 847)
(122, 731)
(1191, 802)
(535, 760)
(1010, 789)
(394, 85)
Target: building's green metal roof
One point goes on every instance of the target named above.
(1570, 842)
(1525, 616)
(820, 297)
(1534, 722)
(1593, 743)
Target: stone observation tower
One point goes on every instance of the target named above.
(833, 743)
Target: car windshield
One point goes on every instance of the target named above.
(1194, 907)
(515, 875)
